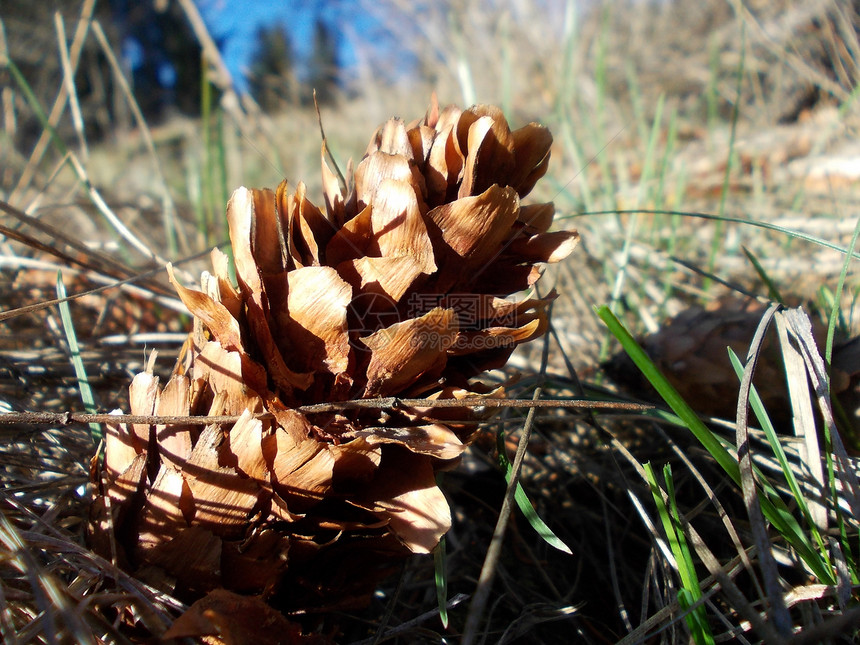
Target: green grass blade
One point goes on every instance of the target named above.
(525, 504)
(691, 581)
(208, 190)
(36, 106)
(768, 226)
(669, 148)
(840, 286)
(670, 394)
(75, 354)
(441, 571)
(773, 508)
(648, 162)
(691, 591)
(772, 290)
(221, 188)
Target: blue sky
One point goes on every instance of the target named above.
(236, 23)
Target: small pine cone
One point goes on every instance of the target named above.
(401, 287)
(690, 350)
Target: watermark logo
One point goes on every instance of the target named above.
(368, 313)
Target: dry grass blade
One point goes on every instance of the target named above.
(59, 106)
(407, 627)
(777, 611)
(484, 587)
(59, 615)
(804, 422)
(801, 330)
(94, 260)
(68, 79)
(166, 199)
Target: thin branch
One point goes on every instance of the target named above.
(389, 403)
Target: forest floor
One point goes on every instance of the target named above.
(706, 180)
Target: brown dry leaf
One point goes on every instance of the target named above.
(214, 315)
(300, 470)
(503, 276)
(246, 446)
(313, 231)
(355, 461)
(537, 218)
(121, 448)
(393, 139)
(233, 374)
(257, 564)
(123, 486)
(240, 219)
(352, 240)
(240, 214)
(193, 557)
(163, 515)
(490, 159)
(421, 139)
(469, 342)
(269, 256)
(443, 166)
(227, 293)
(334, 197)
(478, 131)
(388, 277)
(295, 424)
(499, 312)
(143, 399)
(286, 207)
(374, 170)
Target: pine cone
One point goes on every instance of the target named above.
(690, 350)
(399, 287)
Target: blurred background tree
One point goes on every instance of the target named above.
(271, 76)
(163, 53)
(278, 80)
(323, 65)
